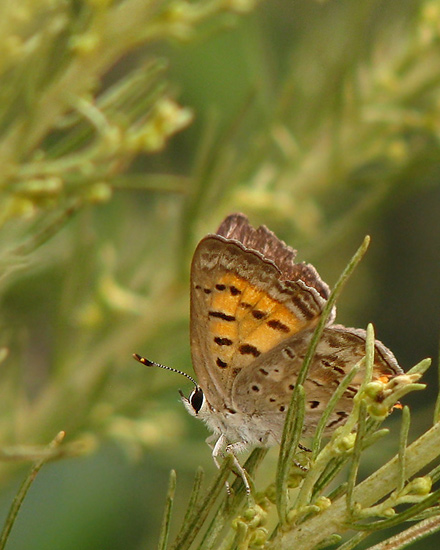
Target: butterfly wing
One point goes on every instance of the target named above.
(247, 296)
(265, 388)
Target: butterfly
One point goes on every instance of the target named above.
(253, 314)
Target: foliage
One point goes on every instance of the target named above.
(318, 516)
(109, 176)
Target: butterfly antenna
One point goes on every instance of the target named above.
(149, 363)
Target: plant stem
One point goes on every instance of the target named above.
(332, 520)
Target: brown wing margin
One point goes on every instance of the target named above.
(264, 242)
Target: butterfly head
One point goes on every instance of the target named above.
(196, 403)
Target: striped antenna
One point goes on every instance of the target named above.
(149, 363)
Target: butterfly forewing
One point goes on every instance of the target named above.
(241, 308)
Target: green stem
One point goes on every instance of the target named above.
(332, 520)
(165, 529)
(291, 426)
(22, 492)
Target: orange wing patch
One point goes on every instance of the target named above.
(246, 321)
(223, 321)
(266, 333)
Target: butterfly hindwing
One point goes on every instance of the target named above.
(266, 387)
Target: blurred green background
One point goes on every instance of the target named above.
(319, 120)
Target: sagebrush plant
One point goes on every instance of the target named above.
(99, 215)
(317, 516)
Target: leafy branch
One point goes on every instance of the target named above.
(320, 516)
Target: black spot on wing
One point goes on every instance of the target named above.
(258, 314)
(342, 415)
(350, 392)
(223, 341)
(205, 290)
(289, 353)
(247, 349)
(304, 308)
(221, 315)
(330, 364)
(278, 325)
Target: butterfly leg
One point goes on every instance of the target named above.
(217, 449)
(231, 450)
(220, 447)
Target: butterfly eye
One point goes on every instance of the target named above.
(196, 399)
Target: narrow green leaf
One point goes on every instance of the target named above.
(194, 522)
(437, 401)
(406, 515)
(293, 430)
(291, 425)
(200, 474)
(231, 504)
(22, 492)
(354, 541)
(165, 528)
(316, 444)
(403, 441)
(409, 536)
(356, 456)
